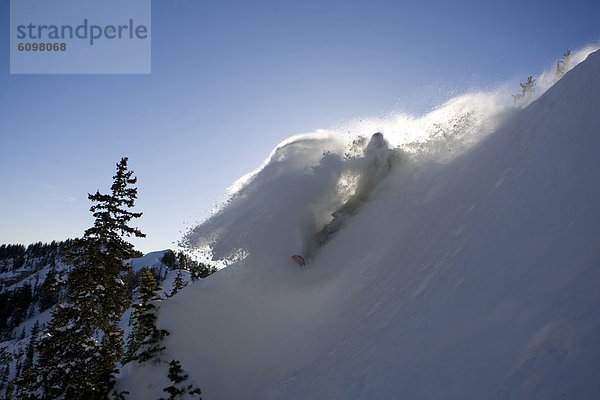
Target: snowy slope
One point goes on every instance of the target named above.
(34, 272)
(470, 276)
(149, 260)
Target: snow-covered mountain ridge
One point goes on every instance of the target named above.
(476, 277)
(33, 280)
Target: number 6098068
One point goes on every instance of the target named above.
(42, 47)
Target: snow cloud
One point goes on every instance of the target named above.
(291, 196)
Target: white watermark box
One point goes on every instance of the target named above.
(80, 36)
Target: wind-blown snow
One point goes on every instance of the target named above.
(472, 272)
(307, 177)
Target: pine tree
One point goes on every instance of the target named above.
(527, 89)
(31, 346)
(169, 259)
(5, 361)
(18, 370)
(563, 65)
(22, 335)
(49, 291)
(79, 353)
(178, 389)
(201, 270)
(178, 284)
(528, 86)
(28, 375)
(8, 394)
(4, 377)
(21, 302)
(144, 342)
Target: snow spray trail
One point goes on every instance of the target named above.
(279, 208)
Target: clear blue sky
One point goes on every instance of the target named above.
(231, 79)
